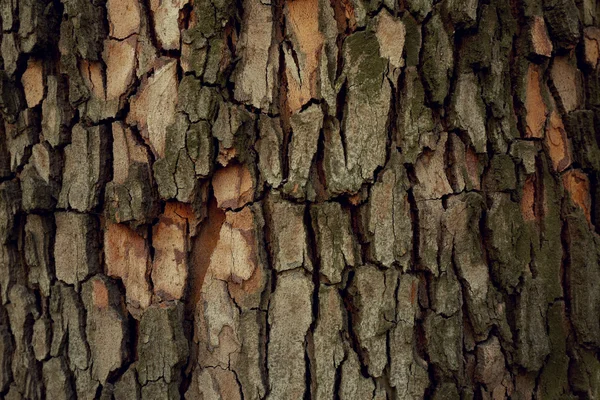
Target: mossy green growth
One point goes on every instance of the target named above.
(197, 101)
(501, 175)
(412, 41)
(166, 167)
(554, 380)
(200, 147)
(585, 375)
(133, 201)
(438, 59)
(363, 65)
(419, 8)
(509, 244)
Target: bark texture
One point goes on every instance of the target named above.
(299, 199)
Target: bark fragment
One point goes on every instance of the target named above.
(535, 107)
(76, 247)
(290, 317)
(153, 107)
(468, 111)
(336, 245)
(387, 217)
(82, 184)
(127, 256)
(269, 150)
(38, 252)
(162, 349)
(166, 22)
(438, 60)
(106, 327)
(566, 79)
(329, 346)
(130, 196)
(33, 82)
(374, 290)
(364, 124)
(255, 74)
(306, 127)
(171, 246)
(408, 371)
(288, 234)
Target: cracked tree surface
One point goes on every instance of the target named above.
(299, 199)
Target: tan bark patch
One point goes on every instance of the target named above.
(40, 158)
(534, 104)
(166, 22)
(125, 152)
(123, 18)
(170, 267)
(153, 108)
(557, 142)
(541, 43)
(128, 257)
(391, 34)
(528, 199)
(356, 199)
(591, 45)
(92, 76)
(567, 81)
(233, 186)
(578, 185)
(202, 249)
(120, 66)
(524, 386)
(234, 257)
(303, 25)
(33, 82)
(490, 363)
(431, 172)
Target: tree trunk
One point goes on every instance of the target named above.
(299, 199)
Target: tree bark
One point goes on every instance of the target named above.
(299, 199)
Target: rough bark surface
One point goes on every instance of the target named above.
(299, 199)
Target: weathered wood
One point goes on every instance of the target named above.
(353, 199)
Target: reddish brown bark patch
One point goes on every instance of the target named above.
(100, 293)
(344, 15)
(578, 185)
(33, 82)
(528, 199)
(534, 104)
(591, 46)
(170, 267)
(128, 257)
(557, 142)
